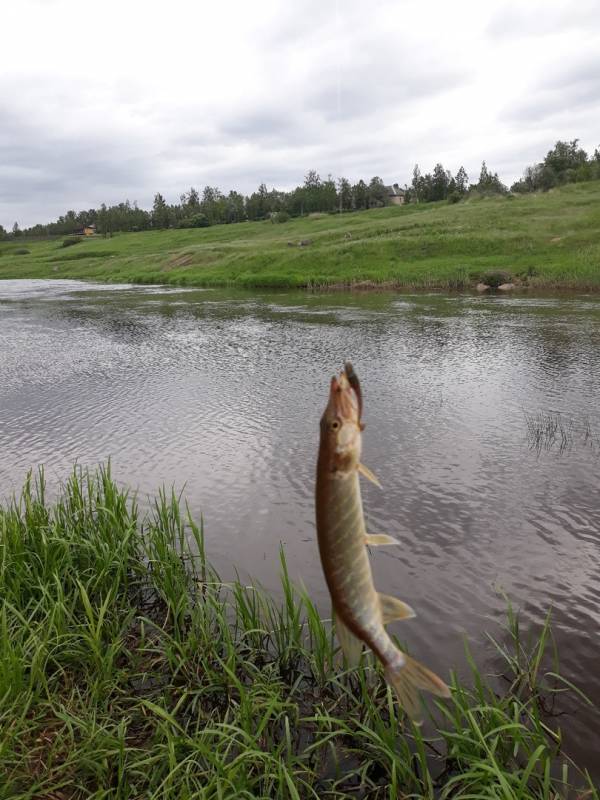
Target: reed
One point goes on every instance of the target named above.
(129, 669)
(553, 430)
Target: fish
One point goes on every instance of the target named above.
(360, 613)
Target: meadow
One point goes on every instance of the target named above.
(129, 669)
(543, 241)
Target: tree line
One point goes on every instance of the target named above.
(565, 163)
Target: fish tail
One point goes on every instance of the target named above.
(408, 679)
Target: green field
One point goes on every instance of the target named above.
(549, 240)
(128, 669)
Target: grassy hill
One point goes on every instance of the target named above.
(547, 240)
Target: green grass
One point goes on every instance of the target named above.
(546, 240)
(129, 670)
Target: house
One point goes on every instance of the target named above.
(395, 195)
(87, 230)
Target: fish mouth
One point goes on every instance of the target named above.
(344, 395)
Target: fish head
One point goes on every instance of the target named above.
(341, 425)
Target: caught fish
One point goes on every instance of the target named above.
(360, 613)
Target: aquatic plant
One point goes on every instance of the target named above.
(552, 430)
(129, 669)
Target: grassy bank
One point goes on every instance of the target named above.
(128, 670)
(544, 240)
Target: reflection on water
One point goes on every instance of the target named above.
(222, 393)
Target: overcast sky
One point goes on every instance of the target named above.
(124, 98)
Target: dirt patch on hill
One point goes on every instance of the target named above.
(178, 260)
(198, 258)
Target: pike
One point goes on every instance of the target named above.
(360, 613)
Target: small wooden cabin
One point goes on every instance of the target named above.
(87, 230)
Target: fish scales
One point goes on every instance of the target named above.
(360, 613)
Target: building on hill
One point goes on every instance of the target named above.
(395, 195)
(87, 230)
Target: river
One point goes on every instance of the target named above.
(482, 419)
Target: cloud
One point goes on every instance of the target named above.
(521, 20)
(564, 93)
(149, 99)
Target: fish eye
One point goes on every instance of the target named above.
(335, 425)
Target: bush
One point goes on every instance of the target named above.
(195, 221)
(496, 277)
(71, 241)
(280, 216)
(454, 197)
(21, 251)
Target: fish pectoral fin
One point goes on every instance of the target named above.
(377, 539)
(393, 609)
(351, 645)
(366, 472)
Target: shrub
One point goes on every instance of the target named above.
(71, 241)
(496, 277)
(280, 216)
(195, 221)
(454, 197)
(21, 251)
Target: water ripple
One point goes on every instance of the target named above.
(222, 393)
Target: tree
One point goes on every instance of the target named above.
(462, 181)
(312, 191)
(328, 196)
(439, 183)
(161, 217)
(103, 220)
(489, 182)
(344, 195)
(16, 231)
(378, 194)
(565, 156)
(236, 207)
(257, 205)
(190, 201)
(3, 234)
(360, 195)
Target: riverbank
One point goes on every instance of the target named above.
(127, 668)
(543, 241)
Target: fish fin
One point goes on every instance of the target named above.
(374, 539)
(408, 680)
(393, 609)
(366, 472)
(351, 644)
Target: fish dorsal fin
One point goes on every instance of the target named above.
(393, 609)
(366, 472)
(351, 645)
(377, 539)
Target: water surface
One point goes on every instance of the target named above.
(221, 393)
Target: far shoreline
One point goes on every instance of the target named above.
(541, 242)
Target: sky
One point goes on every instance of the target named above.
(123, 99)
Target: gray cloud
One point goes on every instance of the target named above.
(562, 92)
(518, 20)
(241, 98)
